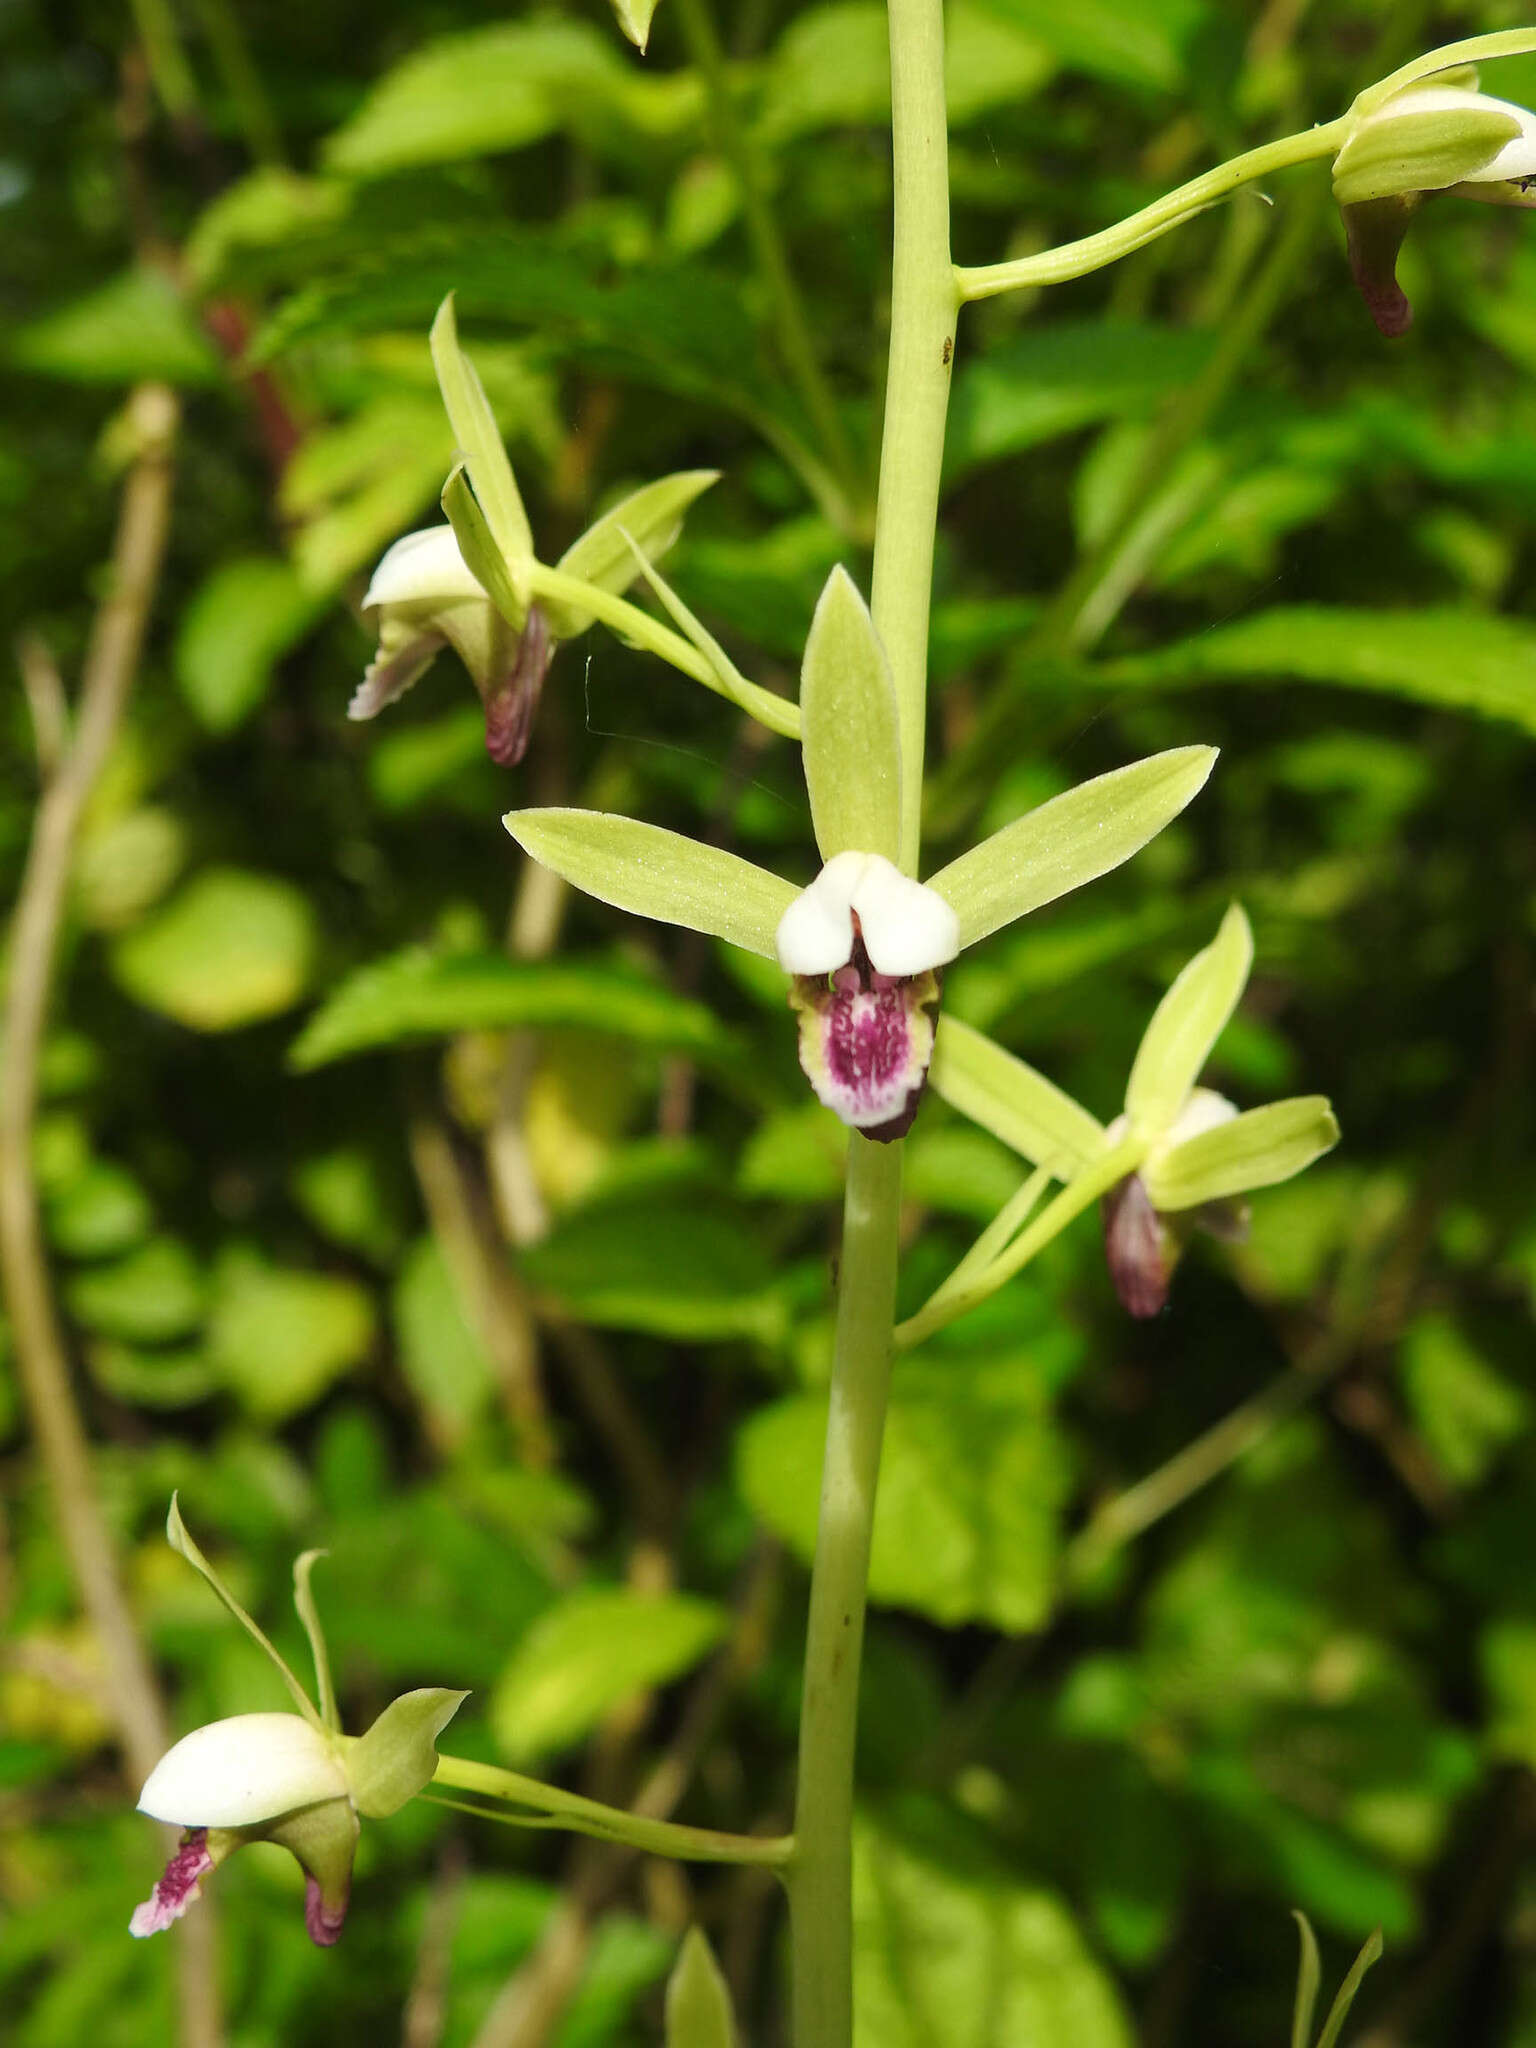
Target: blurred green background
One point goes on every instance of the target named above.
(506, 1278)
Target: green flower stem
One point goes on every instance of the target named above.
(925, 304)
(820, 1877)
(1003, 1228)
(548, 1805)
(639, 628)
(1078, 1194)
(1093, 252)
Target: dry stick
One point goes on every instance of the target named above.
(117, 637)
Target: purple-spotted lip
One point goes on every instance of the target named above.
(866, 1040)
(177, 1886)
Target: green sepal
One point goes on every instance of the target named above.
(652, 517)
(479, 439)
(1309, 1975)
(1349, 1990)
(1253, 1150)
(634, 17)
(1071, 840)
(1450, 64)
(397, 1757)
(309, 1614)
(1003, 1094)
(1187, 1023)
(849, 728)
(655, 873)
(177, 1535)
(698, 1998)
(1389, 154)
(477, 545)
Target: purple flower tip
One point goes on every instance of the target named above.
(1136, 1248)
(178, 1886)
(324, 1924)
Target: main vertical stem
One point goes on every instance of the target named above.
(924, 303)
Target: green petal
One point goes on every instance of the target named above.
(479, 439)
(656, 873)
(1187, 1023)
(651, 517)
(1008, 1098)
(398, 1756)
(1254, 1150)
(309, 1614)
(477, 545)
(1309, 1973)
(698, 2001)
(1074, 838)
(1389, 154)
(849, 731)
(176, 1534)
(1338, 2012)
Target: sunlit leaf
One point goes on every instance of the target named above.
(230, 948)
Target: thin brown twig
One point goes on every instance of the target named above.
(47, 703)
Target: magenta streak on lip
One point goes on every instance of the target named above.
(177, 1887)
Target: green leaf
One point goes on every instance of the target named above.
(649, 519)
(850, 735)
(973, 1478)
(124, 865)
(1465, 1409)
(1348, 1991)
(279, 1338)
(135, 327)
(1187, 1023)
(698, 1998)
(1507, 1655)
(1129, 42)
(98, 1213)
(1392, 152)
(1069, 841)
(591, 1654)
(418, 994)
(1454, 660)
(480, 443)
(1309, 1974)
(236, 628)
(952, 1947)
(153, 1296)
(655, 873)
(232, 947)
(1005, 1096)
(397, 1757)
(634, 17)
(1253, 1150)
(441, 1354)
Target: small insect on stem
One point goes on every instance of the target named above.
(949, 348)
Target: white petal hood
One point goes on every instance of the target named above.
(236, 1773)
(423, 569)
(907, 928)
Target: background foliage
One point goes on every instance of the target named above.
(508, 1281)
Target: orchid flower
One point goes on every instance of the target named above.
(865, 943)
(293, 1779)
(1177, 1156)
(427, 596)
(1436, 134)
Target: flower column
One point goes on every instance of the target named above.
(924, 302)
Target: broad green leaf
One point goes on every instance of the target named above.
(135, 327)
(1309, 1972)
(442, 1355)
(230, 948)
(98, 1213)
(649, 519)
(849, 731)
(591, 1653)
(953, 1949)
(1465, 1409)
(655, 873)
(1338, 2012)
(1455, 660)
(418, 994)
(1398, 150)
(125, 863)
(634, 17)
(1187, 1023)
(1507, 1655)
(233, 632)
(973, 1478)
(270, 207)
(396, 1758)
(1003, 1094)
(1253, 1150)
(1130, 42)
(1069, 841)
(698, 1998)
(352, 1196)
(279, 1337)
(153, 1296)
(479, 438)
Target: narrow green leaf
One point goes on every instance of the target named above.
(698, 1998)
(1348, 1991)
(849, 730)
(656, 873)
(397, 1757)
(1187, 1023)
(634, 17)
(482, 556)
(650, 518)
(479, 438)
(1308, 1976)
(1254, 1150)
(1007, 1097)
(1070, 840)
(1409, 150)
(181, 1541)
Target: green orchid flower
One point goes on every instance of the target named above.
(865, 944)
